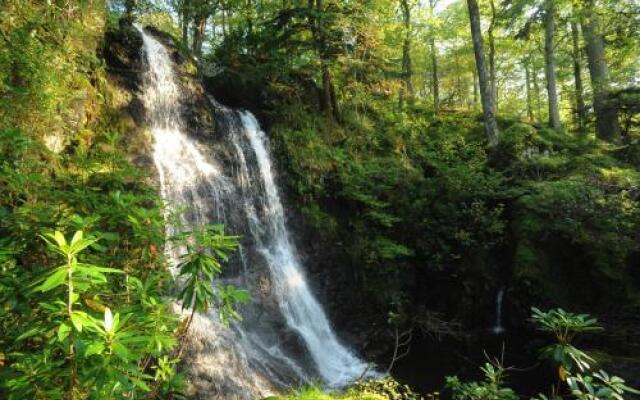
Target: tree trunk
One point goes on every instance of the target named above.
(581, 112)
(492, 57)
(199, 26)
(488, 107)
(536, 89)
(129, 5)
(608, 127)
(475, 88)
(407, 71)
(328, 98)
(527, 75)
(184, 20)
(550, 63)
(435, 81)
(335, 106)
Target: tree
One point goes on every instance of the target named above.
(492, 55)
(486, 95)
(435, 83)
(527, 78)
(581, 110)
(183, 10)
(130, 6)
(607, 125)
(407, 71)
(318, 27)
(550, 63)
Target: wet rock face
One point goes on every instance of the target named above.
(197, 112)
(122, 52)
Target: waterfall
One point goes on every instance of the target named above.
(285, 337)
(498, 328)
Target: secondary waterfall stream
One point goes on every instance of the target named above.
(285, 337)
(498, 328)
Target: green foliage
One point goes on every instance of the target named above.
(599, 386)
(587, 383)
(201, 266)
(415, 191)
(97, 326)
(565, 326)
(491, 388)
(375, 389)
(100, 354)
(410, 192)
(385, 388)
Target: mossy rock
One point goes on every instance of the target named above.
(519, 142)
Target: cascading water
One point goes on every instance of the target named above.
(498, 328)
(285, 337)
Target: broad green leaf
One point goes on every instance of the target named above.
(76, 237)
(79, 320)
(54, 280)
(121, 351)
(31, 332)
(81, 245)
(63, 331)
(94, 348)
(60, 240)
(141, 384)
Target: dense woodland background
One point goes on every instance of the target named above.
(434, 154)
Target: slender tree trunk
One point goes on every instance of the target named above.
(527, 75)
(407, 72)
(488, 107)
(536, 89)
(326, 85)
(129, 5)
(328, 99)
(325, 102)
(435, 81)
(199, 26)
(184, 22)
(550, 63)
(492, 57)
(608, 126)
(475, 88)
(335, 106)
(581, 112)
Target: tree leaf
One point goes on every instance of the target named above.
(31, 332)
(121, 351)
(60, 240)
(54, 280)
(94, 348)
(78, 320)
(76, 237)
(63, 331)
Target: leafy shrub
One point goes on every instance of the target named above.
(575, 367)
(491, 388)
(386, 388)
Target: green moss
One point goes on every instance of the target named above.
(380, 389)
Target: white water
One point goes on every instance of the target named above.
(259, 354)
(336, 364)
(498, 328)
